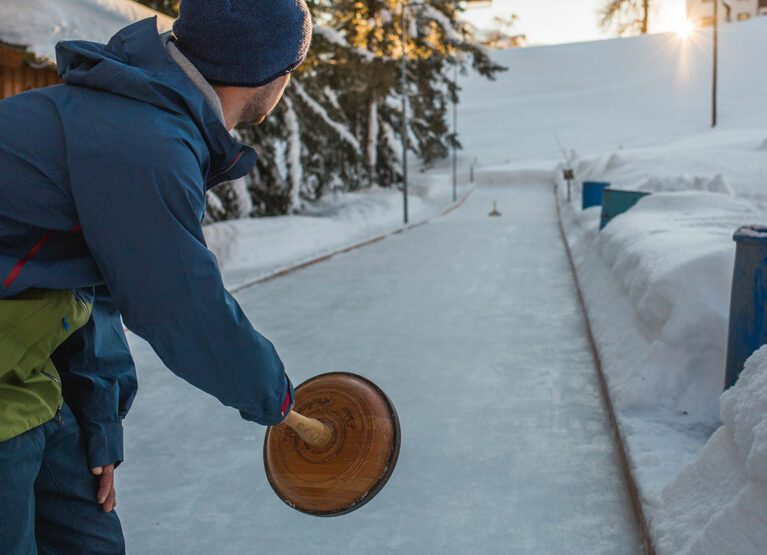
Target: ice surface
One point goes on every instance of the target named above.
(471, 326)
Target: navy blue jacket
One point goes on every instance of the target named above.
(102, 190)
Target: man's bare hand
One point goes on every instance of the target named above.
(106, 492)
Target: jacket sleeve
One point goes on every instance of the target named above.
(99, 379)
(140, 216)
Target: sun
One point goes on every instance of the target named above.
(685, 29)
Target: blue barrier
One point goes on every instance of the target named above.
(748, 301)
(616, 202)
(592, 193)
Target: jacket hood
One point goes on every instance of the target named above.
(135, 64)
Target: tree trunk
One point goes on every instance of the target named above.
(645, 16)
(371, 153)
(295, 169)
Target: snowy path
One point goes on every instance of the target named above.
(471, 325)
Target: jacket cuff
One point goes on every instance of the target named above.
(280, 411)
(105, 443)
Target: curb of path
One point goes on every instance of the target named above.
(644, 531)
(289, 269)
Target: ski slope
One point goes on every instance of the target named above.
(471, 326)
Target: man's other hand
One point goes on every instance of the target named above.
(106, 492)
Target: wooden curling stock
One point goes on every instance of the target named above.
(311, 430)
(336, 449)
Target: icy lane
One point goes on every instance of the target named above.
(472, 327)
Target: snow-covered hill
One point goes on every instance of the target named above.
(604, 95)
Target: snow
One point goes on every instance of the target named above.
(444, 21)
(657, 280)
(251, 248)
(393, 143)
(470, 325)
(40, 24)
(489, 307)
(317, 108)
(241, 193)
(718, 504)
(658, 283)
(753, 232)
(332, 97)
(605, 96)
(295, 167)
(334, 37)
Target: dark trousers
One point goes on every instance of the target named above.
(48, 495)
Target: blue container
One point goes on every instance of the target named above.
(592, 193)
(616, 202)
(748, 302)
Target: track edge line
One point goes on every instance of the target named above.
(631, 483)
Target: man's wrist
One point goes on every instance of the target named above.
(105, 443)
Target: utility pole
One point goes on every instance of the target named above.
(716, 64)
(455, 132)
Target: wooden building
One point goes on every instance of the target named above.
(701, 12)
(30, 29)
(21, 71)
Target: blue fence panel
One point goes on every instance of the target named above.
(592, 193)
(616, 202)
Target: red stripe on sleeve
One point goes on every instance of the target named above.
(16, 270)
(286, 403)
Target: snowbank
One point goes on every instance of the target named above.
(39, 24)
(657, 281)
(718, 503)
(730, 161)
(249, 248)
(657, 284)
(673, 257)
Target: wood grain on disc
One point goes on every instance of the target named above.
(357, 461)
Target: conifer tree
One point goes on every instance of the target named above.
(339, 126)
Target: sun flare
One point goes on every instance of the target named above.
(685, 29)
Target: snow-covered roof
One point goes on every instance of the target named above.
(39, 24)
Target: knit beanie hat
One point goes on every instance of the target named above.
(243, 43)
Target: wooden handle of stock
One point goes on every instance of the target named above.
(312, 431)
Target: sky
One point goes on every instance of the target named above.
(557, 21)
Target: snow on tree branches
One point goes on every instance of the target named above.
(340, 125)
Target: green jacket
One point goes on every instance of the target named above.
(32, 325)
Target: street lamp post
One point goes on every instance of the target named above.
(714, 91)
(404, 112)
(405, 141)
(455, 134)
